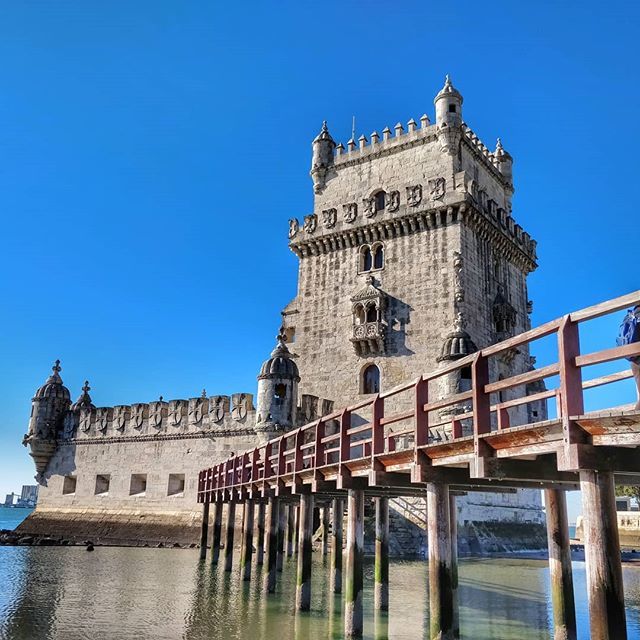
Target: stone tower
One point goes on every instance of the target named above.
(48, 408)
(410, 258)
(277, 391)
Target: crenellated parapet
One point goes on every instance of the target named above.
(223, 415)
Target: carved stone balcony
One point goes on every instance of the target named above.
(368, 338)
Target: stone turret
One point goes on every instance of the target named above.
(323, 148)
(504, 162)
(48, 408)
(277, 391)
(448, 104)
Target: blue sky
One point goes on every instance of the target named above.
(152, 152)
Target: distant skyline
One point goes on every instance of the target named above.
(151, 154)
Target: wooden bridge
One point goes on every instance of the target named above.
(396, 444)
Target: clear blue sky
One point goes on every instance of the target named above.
(151, 153)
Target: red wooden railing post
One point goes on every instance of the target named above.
(319, 456)
(421, 419)
(480, 398)
(377, 428)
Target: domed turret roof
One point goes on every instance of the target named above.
(458, 343)
(84, 401)
(280, 364)
(324, 134)
(53, 387)
(448, 90)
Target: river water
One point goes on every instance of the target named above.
(67, 593)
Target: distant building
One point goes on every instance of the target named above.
(29, 493)
(10, 499)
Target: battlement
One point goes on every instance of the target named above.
(220, 414)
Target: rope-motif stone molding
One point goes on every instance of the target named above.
(247, 431)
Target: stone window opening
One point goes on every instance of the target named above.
(280, 391)
(290, 335)
(138, 486)
(370, 380)
(371, 257)
(69, 485)
(176, 484)
(103, 480)
(372, 313)
(360, 315)
(379, 201)
(452, 108)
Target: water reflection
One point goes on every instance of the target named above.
(117, 594)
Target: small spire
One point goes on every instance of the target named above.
(161, 399)
(411, 125)
(351, 144)
(499, 148)
(324, 133)
(386, 133)
(86, 387)
(424, 121)
(204, 393)
(56, 367)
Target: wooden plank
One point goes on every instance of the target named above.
(523, 378)
(604, 308)
(607, 355)
(522, 338)
(602, 380)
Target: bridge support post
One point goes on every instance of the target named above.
(602, 555)
(204, 530)
(564, 612)
(228, 536)
(337, 511)
(440, 574)
(305, 533)
(453, 524)
(354, 578)
(291, 527)
(282, 523)
(325, 530)
(217, 532)
(381, 593)
(247, 541)
(273, 508)
(260, 541)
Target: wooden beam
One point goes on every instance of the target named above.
(204, 531)
(541, 470)
(381, 569)
(354, 574)
(577, 457)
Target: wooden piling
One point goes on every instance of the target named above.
(271, 530)
(204, 531)
(602, 554)
(282, 526)
(381, 571)
(217, 532)
(305, 533)
(247, 541)
(564, 612)
(453, 525)
(337, 516)
(354, 577)
(291, 527)
(440, 578)
(228, 537)
(260, 531)
(325, 530)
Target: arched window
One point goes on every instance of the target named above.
(366, 260)
(372, 313)
(360, 316)
(281, 390)
(371, 379)
(378, 257)
(380, 200)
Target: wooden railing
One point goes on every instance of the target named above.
(337, 439)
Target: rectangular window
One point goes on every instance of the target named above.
(102, 484)
(69, 485)
(176, 484)
(138, 484)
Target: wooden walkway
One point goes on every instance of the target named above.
(395, 443)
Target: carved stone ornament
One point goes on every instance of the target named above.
(310, 223)
(86, 419)
(196, 410)
(437, 188)
(457, 270)
(216, 408)
(175, 413)
(239, 410)
(329, 218)
(155, 414)
(137, 415)
(120, 417)
(369, 205)
(414, 195)
(350, 211)
(102, 419)
(294, 227)
(393, 203)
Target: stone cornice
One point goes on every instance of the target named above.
(211, 435)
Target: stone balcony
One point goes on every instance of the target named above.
(368, 338)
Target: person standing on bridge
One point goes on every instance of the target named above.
(629, 334)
